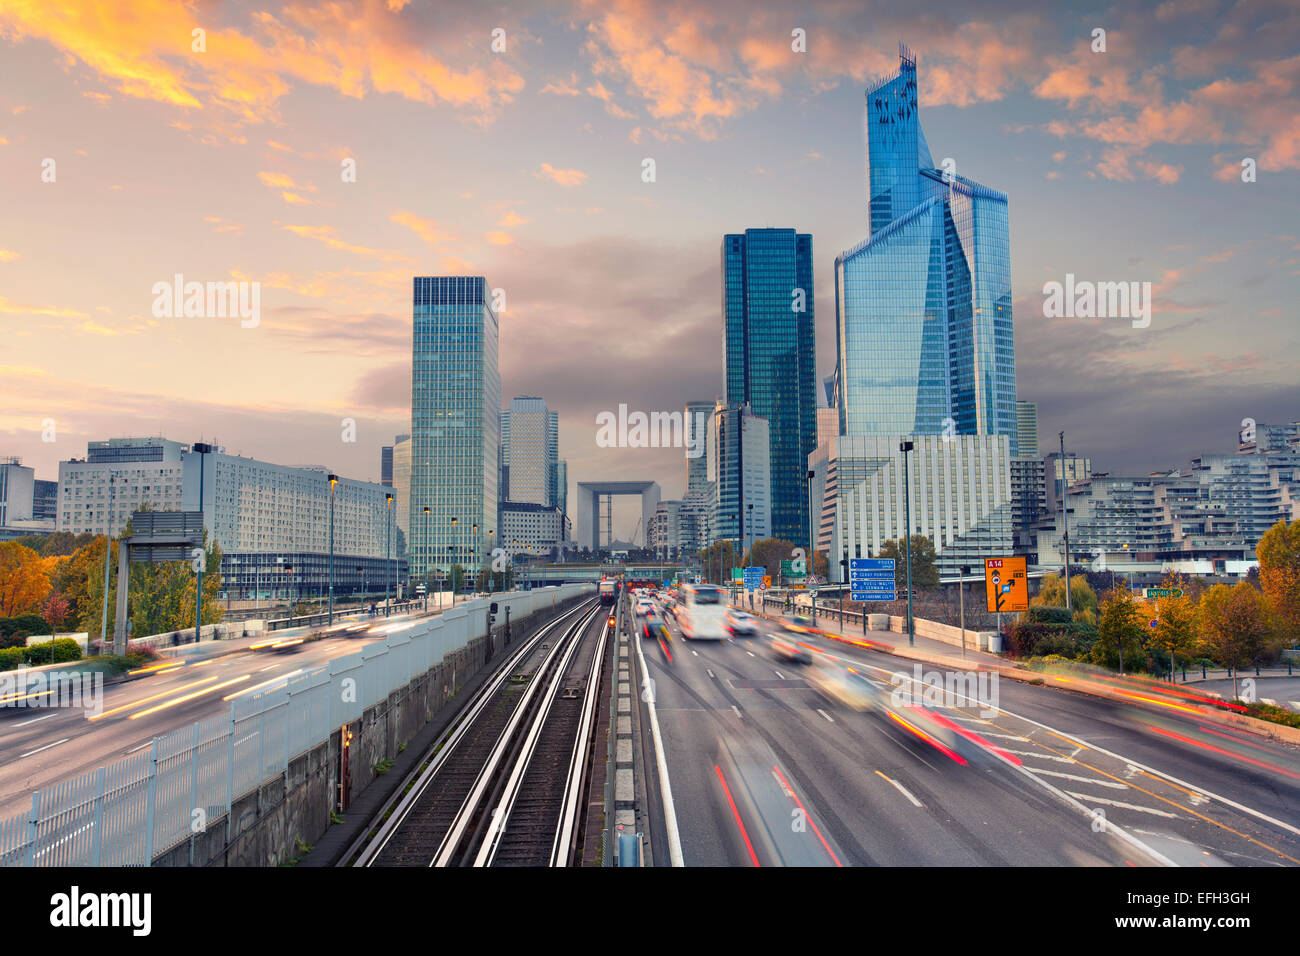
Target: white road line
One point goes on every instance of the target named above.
(750, 653)
(695, 652)
(1113, 784)
(1124, 806)
(1031, 753)
(267, 667)
(985, 733)
(737, 710)
(34, 720)
(1258, 814)
(141, 747)
(778, 673)
(711, 677)
(826, 715)
(46, 747)
(665, 786)
(903, 790)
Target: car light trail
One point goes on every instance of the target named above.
(137, 703)
(181, 700)
(739, 822)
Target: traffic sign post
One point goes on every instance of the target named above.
(1006, 585)
(753, 577)
(872, 579)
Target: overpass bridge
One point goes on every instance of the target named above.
(539, 575)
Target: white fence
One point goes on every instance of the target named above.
(138, 807)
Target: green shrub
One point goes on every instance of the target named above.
(14, 631)
(1048, 615)
(11, 658)
(59, 651)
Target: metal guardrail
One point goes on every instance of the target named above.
(129, 812)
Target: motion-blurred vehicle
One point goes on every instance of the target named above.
(642, 608)
(843, 685)
(800, 624)
(702, 615)
(654, 628)
(739, 623)
(606, 591)
(788, 650)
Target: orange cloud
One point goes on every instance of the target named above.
(565, 177)
(426, 229)
(325, 234)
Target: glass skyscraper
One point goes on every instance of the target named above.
(768, 321)
(923, 306)
(455, 422)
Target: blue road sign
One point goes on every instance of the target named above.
(871, 575)
(873, 596)
(871, 564)
(754, 577)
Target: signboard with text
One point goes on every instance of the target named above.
(871, 579)
(1006, 584)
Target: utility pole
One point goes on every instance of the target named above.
(202, 451)
(388, 551)
(333, 479)
(108, 553)
(1065, 515)
(906, 447)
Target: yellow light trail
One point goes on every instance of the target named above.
(181, 700)
(137, 703)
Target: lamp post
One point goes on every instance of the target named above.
(201, 450)
(1065, 517)
(906, 447)
(334, 480)
(427, 554)
(453, 562)
(108, 553)
(388, 550)
(474, 548)
(812, 542)
(962, 571)
(488, 562)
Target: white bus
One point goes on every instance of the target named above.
(702, 612)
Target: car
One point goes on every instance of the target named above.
(655, 629)
(789, 650)
(738, 623)
(642, 607)
(800, 624)
(845, 685)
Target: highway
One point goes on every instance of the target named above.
(764, 770)
(44, 745)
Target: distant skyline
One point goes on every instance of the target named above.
(526, 166)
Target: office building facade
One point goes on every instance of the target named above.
(923, 305)
(769, 349)
(740, 470)
(959, 489)
(455, 420)
(1026, 429)
(529, 452)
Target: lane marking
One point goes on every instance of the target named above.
(737, 710)
(1070, 776)
(46, 747)
(1124, 806)
(695, 652)
(807, 816)
(778, 673)
(34, 720)
(739, 822)
(750, 653)
(141, 747)
(1041, 756)
(826, 715)
(901, 789)
(711, 677)
(665, 786)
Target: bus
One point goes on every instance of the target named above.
(606, 592)
(702, 612)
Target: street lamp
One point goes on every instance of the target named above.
(474, 548)
(453, 564)
(388, 549)
(334, 480)
(202, 451)
(906, 447)
(812, 542)
(427, 554)
(488, 562)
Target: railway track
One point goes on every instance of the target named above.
(506, 785)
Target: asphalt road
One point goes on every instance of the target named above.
(765, 770)
(43, 745)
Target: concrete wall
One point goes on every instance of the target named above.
(267, 825)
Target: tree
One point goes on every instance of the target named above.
(1083, 599)
(1175, 616)
(1121, 629)
(925, 572)
(769, 553)
(1279, 576)
(56, 609)
(1234, 623)
(717, 559)
(24, 582)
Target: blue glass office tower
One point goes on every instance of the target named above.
(923, 306)
(768, 321)
(455, 422)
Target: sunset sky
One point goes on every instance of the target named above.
(525, 166)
